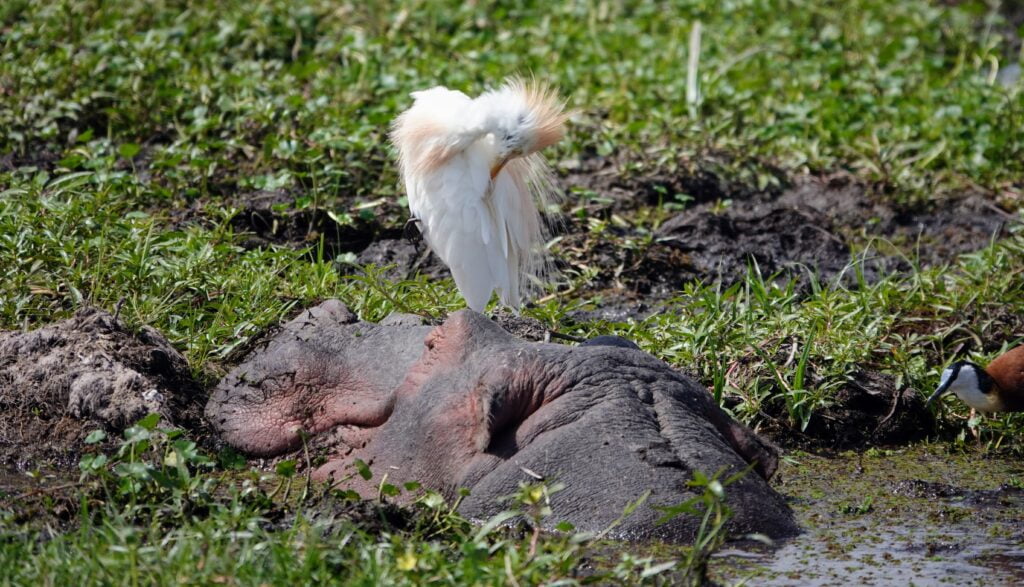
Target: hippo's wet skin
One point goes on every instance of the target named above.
(465, 404)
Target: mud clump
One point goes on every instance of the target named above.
(868, 411)
(61, 381)
(608, 186)
(776, 238)
(402, 258)
(274, 218)
(918, 488)
(979, 498)
(523, 327)
(831, 228)
(934, 234)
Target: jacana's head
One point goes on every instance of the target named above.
(524, 118)
(970, 383)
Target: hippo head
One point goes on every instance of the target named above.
(466, 405)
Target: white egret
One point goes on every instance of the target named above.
(472, 171)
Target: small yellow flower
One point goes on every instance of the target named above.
(171, 460)
(407, 561)
(534, 494)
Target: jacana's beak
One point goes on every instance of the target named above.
(496, 168)
(938, 392)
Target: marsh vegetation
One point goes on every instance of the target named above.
(831, 218)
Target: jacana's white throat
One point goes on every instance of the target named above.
(972, 385)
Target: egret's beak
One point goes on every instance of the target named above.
(498, 165)
(938, 392)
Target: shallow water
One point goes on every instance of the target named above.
(915, 516)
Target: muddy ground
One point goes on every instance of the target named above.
(832, 228)
(817, 225)
(60, 382)
(814, 225)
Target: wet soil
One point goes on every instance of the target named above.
(641, 253)
(869, 410)
(917, 516)
(60, 382)
(616, 225)
(832, 228)
(274, 217)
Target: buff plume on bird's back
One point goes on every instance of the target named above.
(473, 175)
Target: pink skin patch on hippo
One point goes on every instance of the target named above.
(464, 424)
(313, 399)
(501, 397)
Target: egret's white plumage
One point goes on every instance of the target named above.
(472, 171)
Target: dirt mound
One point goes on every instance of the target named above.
(59, 382)
(776, 238)
(274, 218)
(934, 234)
(609, 185)
(403, 257)
(819, 226)
(918, 488)
(868, 411)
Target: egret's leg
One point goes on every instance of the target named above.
(407, 231)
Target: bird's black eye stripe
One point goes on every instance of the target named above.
(985, 381)
(955, 369)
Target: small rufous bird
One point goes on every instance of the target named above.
(472, 173)
(996, 388)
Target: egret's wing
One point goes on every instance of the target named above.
(445, 166)
(490, 236)
(460, 227)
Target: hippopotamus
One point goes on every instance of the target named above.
(465, 405)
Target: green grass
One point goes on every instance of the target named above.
(803, 348)
(223, 96)
(158, 511)
(132, 130)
